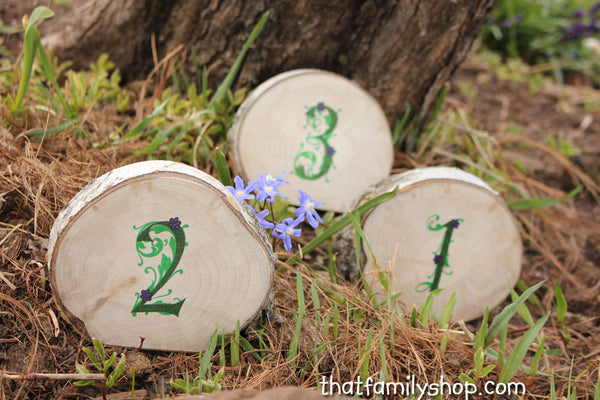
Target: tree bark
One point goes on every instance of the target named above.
(401, 52)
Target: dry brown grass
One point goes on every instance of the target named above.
(36, 181)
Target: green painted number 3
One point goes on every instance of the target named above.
(440, 258)
(161, 244)
(315, 156)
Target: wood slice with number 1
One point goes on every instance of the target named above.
(161, 251)
(326, 131)
(444, 229)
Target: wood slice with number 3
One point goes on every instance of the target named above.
(444, 229)
(328, 133)
(161, 251)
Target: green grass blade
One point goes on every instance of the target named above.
(561, 304)
(32, 40)
(447, 313)
(197, 69)
(533, 369)
(222, 168)
(117, 372)
(38, 14)
(176, 83)
(159, 139)
(501, 320)
(146, 121)
(207, 355)
(93, 358)
(336, 320)
(293, 352)
(363, 371)
(539, 203)
(513, 361)
(249, 349)
(38, 134)
(99, 349)
(47, 67)
(344, 221)
(234, 347)
(384, 368)
(427, 309)
(300, 294)
(522, 309)
(228, 81)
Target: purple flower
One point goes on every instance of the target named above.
(307, 210)
(321, 106)
(174, 223)
(454, 223)
(594, 10)
(240, 192)
(330, 151)
(260, 216)
(437, 260)
(146, 295)
(266, 187)
(286, 230)
(576, 30)
(579, 13)
(506, 23)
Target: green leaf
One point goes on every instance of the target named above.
(293, 352)
(513, 362)
(487, 370)
(228, 81)
(38, 14)
(427, 309)
(384, 368)
(234, 346)
(99, 349)
(8, 30)
(81, 369)
(222, 168)
(93, 358)
(117, 372)
(501, 320)
(179, 384)
(83, 383)
(109, 362)
(300, 294)
(539, 203)
(207, 355)
(466, 378)
(159, 139)
(346, 220)
(537, 357)
(30, 44)
(447, 313)
(144, 123)
(522, 309)
(561, 304)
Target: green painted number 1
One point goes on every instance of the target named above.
(440, 258)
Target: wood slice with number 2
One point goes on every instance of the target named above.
(327, 132)
(444, 229)
(161, 251)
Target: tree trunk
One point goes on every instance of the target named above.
(400, 52)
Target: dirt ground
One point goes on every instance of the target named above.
(562, 244)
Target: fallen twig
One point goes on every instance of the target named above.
(51, 377)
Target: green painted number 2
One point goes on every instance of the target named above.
(440, 258)
(162, 244)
